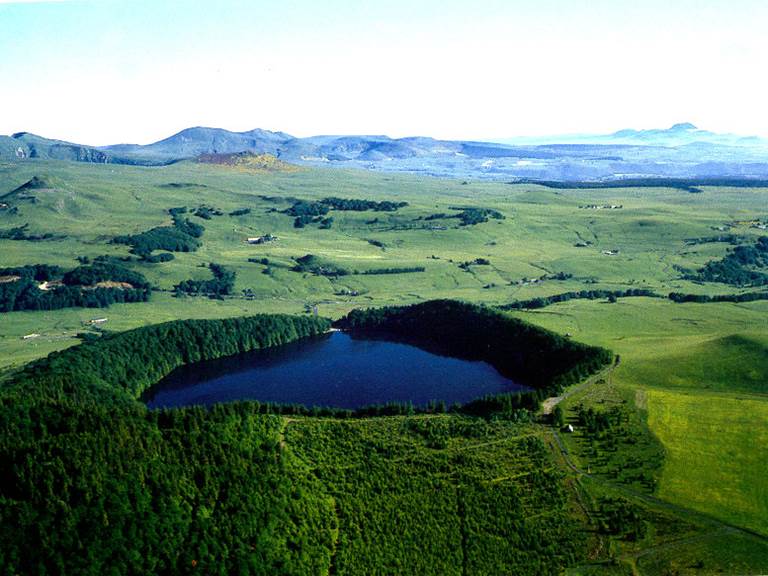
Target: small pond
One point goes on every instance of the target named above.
(331, 370)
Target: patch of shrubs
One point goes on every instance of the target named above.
(207, 212)
(20, 233)
(475, 262)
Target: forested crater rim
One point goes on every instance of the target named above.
(119, 368)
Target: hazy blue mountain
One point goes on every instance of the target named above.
(682, 151)
(24, 145)
(681, 134)
(193, 142)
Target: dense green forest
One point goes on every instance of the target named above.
(421, 496)
(94, 483)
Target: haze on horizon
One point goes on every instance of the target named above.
(109, 71)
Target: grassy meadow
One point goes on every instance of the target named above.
(692, 380)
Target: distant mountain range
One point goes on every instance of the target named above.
(682, 134)
(682, 151)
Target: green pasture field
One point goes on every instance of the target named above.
(694, 377)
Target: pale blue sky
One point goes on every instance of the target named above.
(107, 71)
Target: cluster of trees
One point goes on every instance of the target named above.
(39, 272)
(612, 295)
(20, 233)
(596, 423)
(362, 205)
(476, 262)
(619, 517)
(468, 216)
(617, 444)
(527, 354)
(182, 236)
(472, 216)
(307, 208)
(25, 295)
(307, 212)
(240, 212)
(302, 221)
(207, 212)
(158, 258)
(222, 283)
(79, 288)
(737, 268)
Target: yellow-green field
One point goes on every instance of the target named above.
(716, 459)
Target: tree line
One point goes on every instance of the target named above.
(613, 295)
(543, 301)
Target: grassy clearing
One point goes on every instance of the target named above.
(735, 363)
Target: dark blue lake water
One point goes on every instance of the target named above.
(331, 370)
